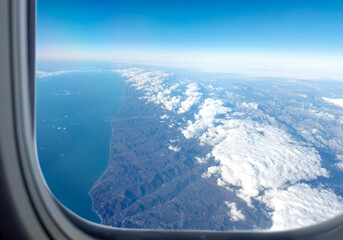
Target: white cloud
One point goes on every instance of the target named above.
(255, 157)
(205, 118)
(320, 114)
(204, 159)
(261, 161)
(193, 97)
(173, 148)
(256, 161)
(156, 90)
(339, 165)
(44, 74)
(165, 116)
(337, 102)
(235, 214)
(153, 85)
(251, 105)
(300, 205)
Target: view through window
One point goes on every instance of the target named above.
(211, 115)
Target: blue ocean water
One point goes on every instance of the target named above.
(74, 112)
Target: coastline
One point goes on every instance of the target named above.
(72, 134)
(123, 86)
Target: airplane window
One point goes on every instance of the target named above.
(207, 115)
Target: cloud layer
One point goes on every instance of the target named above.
(45, 74)
(337, 102)
(157, 90)
(260, 162)
(300, 205)
(256, 157)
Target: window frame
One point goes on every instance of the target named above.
(29, 210)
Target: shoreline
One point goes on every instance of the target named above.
(121, 85)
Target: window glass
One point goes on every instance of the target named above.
(211, 115)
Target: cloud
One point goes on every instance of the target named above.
(300, 205)
(255, 157)
(173, 148)
(44, 74)
(235, 214)
(251, 105)
(204, 159)
(339, 165)
(256, 161)
(206, 117)
(152, 83)
(193, 97)
(337, 102)
(156, 89)
(165, 116)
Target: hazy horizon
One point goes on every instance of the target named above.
(261, 38)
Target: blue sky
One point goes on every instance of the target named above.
(177, 30)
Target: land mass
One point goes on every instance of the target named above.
(148, 185)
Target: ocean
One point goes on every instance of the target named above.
(73, 128)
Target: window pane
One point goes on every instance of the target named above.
(211, 115)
